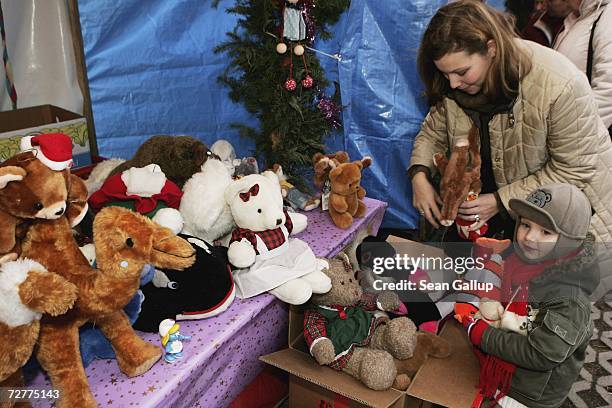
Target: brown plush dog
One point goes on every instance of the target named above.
(346, 193)
(341, 331)
(427, 345)
(179, 157)
(125, 242)
(324, 163)
(30, 190)
(460, 175)
(27, 290)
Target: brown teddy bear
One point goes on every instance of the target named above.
(125, 241)
(427, 345)
(27, 291)
(324, 163)
(341, 331)
(179, 157)
(346, 193)
(30, 190)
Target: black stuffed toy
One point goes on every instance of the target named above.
(203, 290)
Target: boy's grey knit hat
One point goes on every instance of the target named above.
(562, 208)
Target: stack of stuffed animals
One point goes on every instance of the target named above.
(178, 231)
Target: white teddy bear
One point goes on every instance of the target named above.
(268, 259)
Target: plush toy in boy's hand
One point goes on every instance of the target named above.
(341, 331)
(267, 258)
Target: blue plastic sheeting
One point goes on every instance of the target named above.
(152, 70)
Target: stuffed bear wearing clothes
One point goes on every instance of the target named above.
(27, 291)
(30, 190)
(267, 258)
(179, 157)
(346, 193)
(125, 241)
(341, 331)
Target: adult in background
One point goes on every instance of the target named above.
(546, 24)
(535, 111)
(589, 26)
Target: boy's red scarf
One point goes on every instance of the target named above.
(496, 373)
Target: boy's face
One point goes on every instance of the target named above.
(534, 240)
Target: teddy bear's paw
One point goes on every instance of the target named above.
(241, 254)
(294, 292)
(377, 370)
(388, 301)
(400, 338)
(323, 351)
(318, 281)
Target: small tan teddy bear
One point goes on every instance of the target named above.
(344, 331)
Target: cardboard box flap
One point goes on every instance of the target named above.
(304, 366)
(451, 381)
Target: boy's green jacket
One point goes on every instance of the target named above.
(551, 356)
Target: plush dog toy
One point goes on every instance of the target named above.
(342, 332)
(179, 157)
(27, 291)
(266, 257)
(346, 193)
(460, 182)
(125, 241)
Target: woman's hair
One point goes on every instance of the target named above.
(468, 25)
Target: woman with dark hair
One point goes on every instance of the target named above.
(534, 109)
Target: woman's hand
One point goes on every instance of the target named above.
(479, 210)
(425, 199)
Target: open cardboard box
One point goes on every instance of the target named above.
(449, 382)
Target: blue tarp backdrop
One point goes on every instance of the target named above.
(152, 70)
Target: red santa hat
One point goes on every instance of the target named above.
(53, 149)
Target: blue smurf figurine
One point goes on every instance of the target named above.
(172, 340)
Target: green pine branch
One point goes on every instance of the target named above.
(291, 128)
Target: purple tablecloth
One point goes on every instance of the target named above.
(222, 356)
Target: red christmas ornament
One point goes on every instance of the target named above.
(307, 82)
(290, 84)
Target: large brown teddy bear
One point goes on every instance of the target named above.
(324, 163)
(345, 199)
(27, 291)
(125, 242)
(30, 190)
(179, 157)
(341, 331)
(427, 345)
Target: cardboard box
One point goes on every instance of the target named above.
(40, 120)
(449, 382)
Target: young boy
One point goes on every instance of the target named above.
(548, 278)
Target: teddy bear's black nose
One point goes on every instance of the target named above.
(279, 221)
(60, 211)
